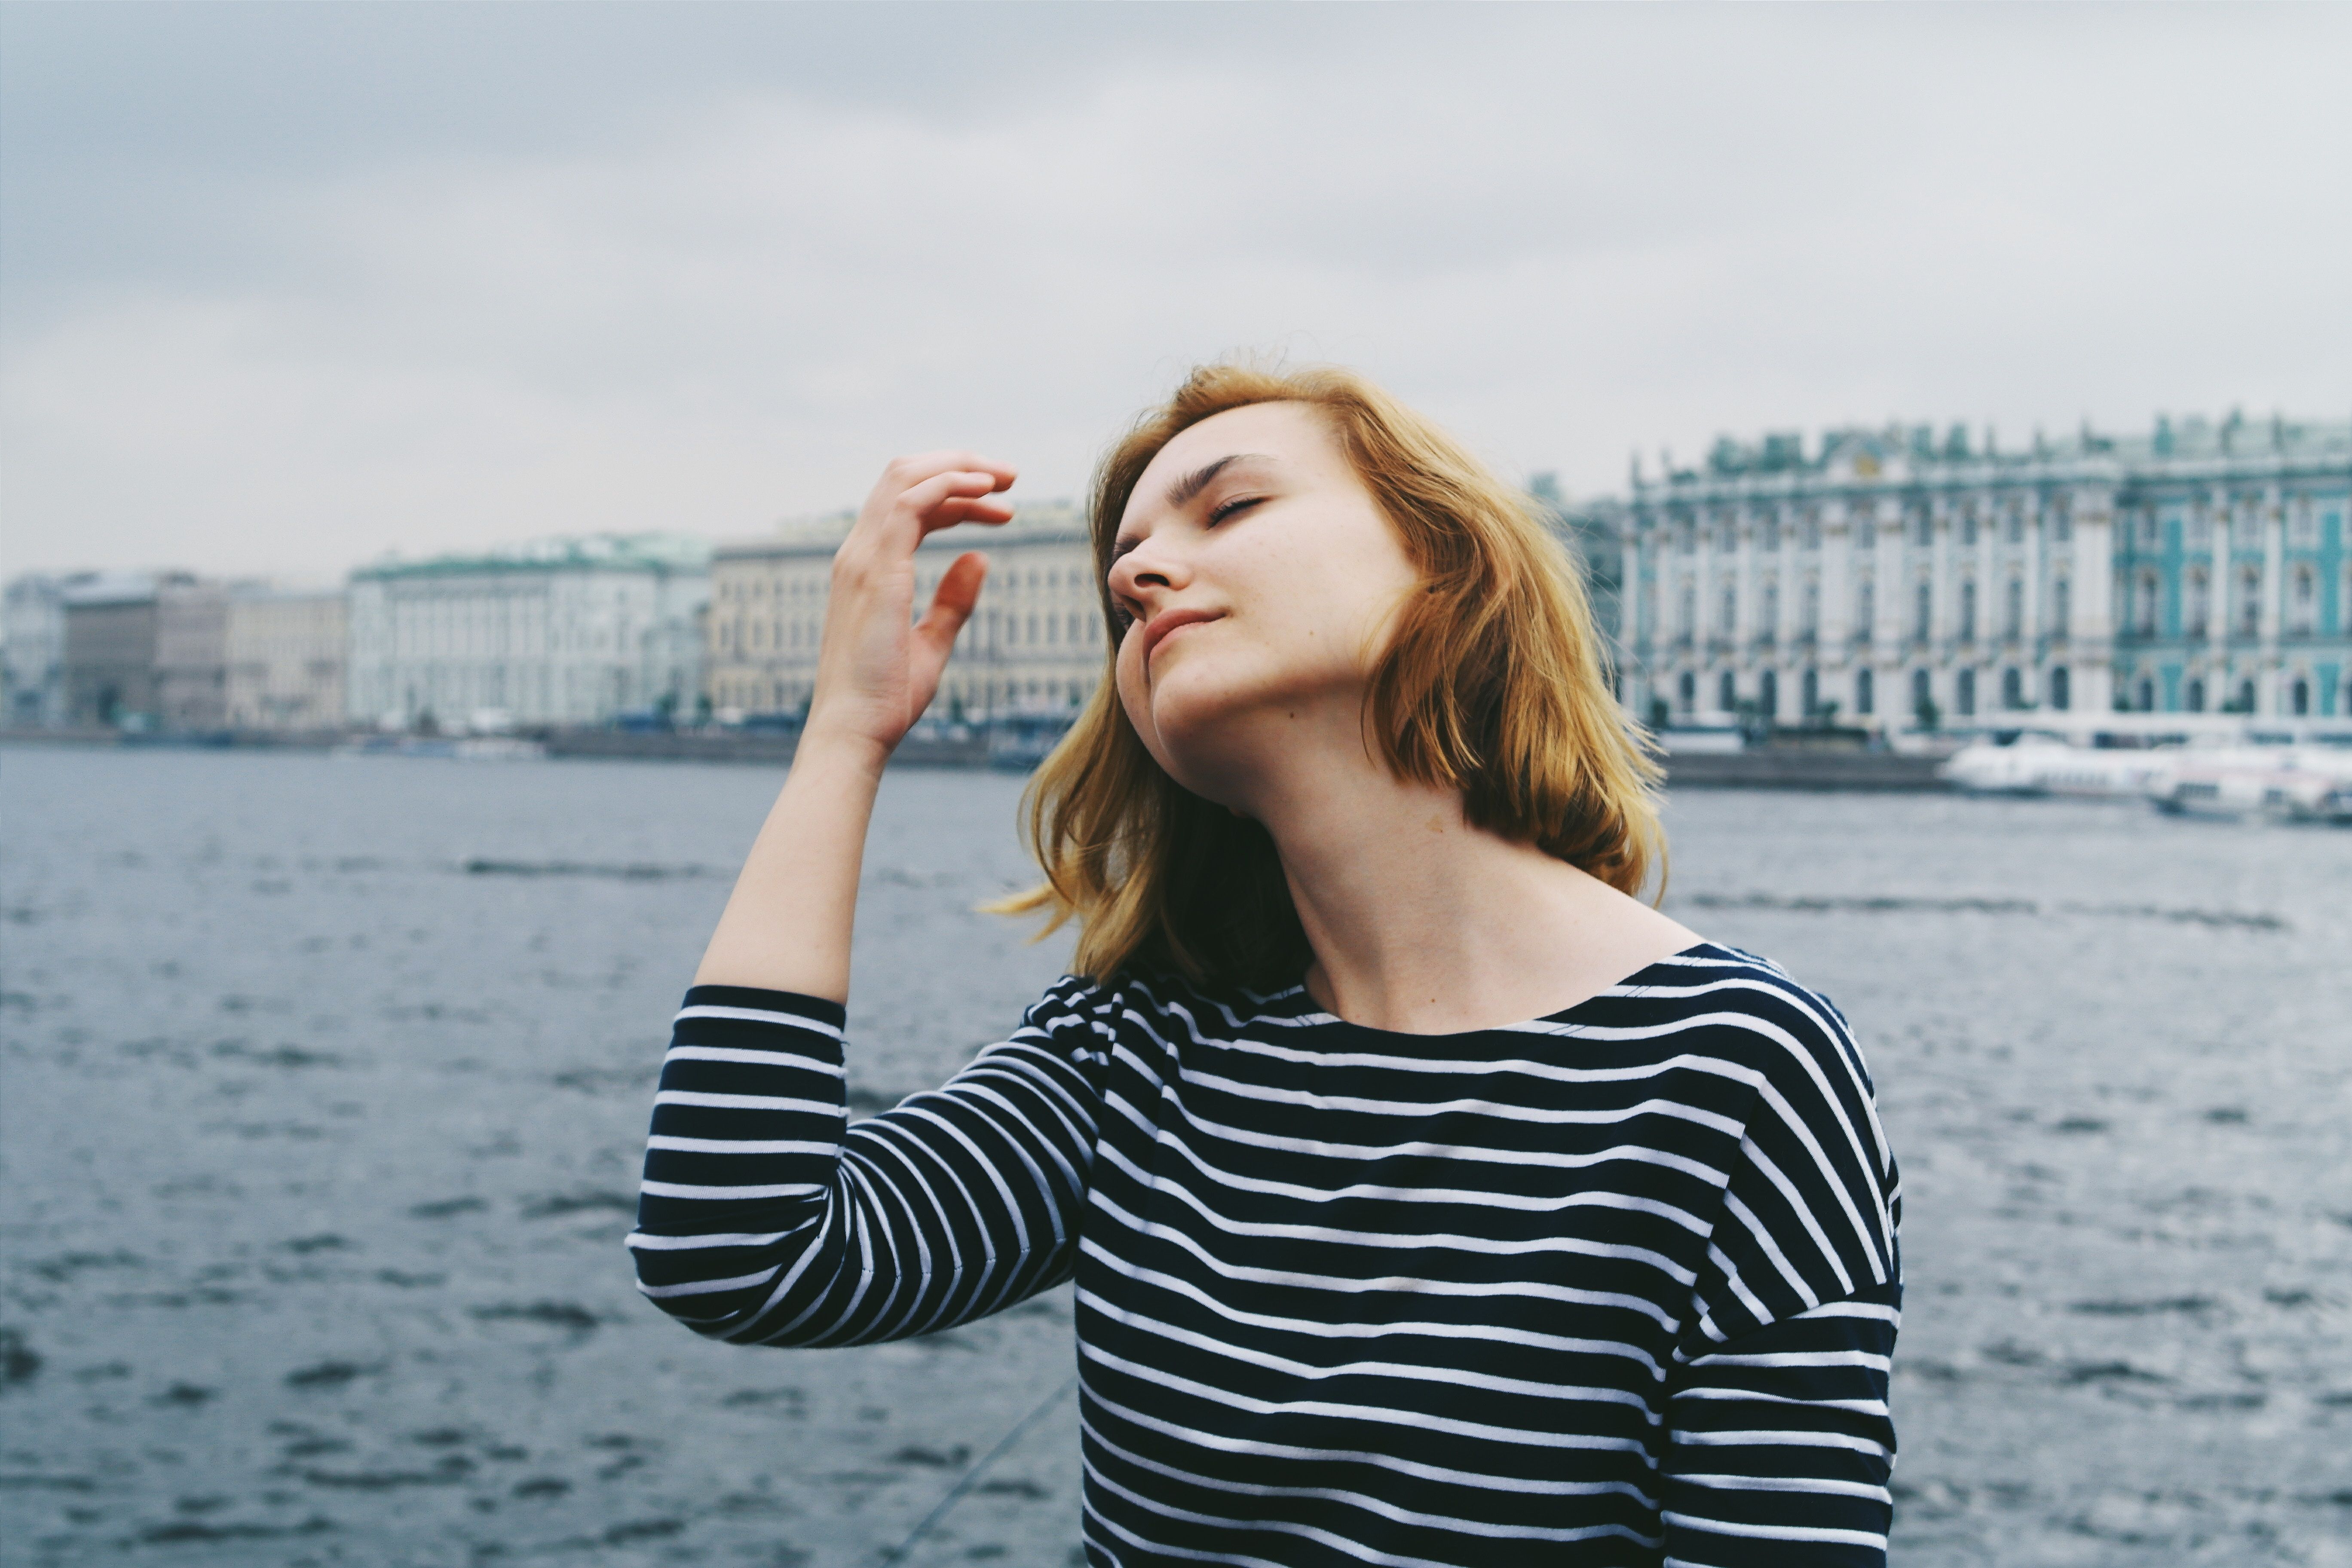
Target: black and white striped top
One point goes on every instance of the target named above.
(1617, 1286)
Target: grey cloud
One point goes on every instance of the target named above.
(288, 285)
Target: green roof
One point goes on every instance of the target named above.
(649, 553)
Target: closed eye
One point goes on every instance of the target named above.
(1228, 509)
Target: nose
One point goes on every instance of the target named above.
(1152, 568)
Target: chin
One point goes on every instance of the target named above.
(1205, 735)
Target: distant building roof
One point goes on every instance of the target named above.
(1917, 453)
(654, 553)
(823, 535)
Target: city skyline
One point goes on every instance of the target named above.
(287, 287)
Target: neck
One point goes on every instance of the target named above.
(1421, 923)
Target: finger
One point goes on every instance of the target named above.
(904, 473)
(953, 600)
(952, 605)
(945, 500)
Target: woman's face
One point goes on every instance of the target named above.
(1262, 580)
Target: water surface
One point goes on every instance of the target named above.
(323, 1081)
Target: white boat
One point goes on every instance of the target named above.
(2291, 783)
(2037, 761)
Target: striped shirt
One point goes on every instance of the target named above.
(1616, 1286)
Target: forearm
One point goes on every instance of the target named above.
(787, 924)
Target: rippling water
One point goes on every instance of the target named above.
(325, 1082)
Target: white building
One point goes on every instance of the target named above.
(1892, 576)
(33, 648)
(1035, 644)
(563, 631)
(286, 656)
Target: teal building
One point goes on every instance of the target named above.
(1911, 579)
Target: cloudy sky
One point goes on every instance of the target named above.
(285, 287)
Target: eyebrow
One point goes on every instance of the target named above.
(1193, 483)
(1186, 489)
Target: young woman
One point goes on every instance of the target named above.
(1431, 1199)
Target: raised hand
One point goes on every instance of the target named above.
(876, 671)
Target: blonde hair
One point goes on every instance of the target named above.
(1493, 684)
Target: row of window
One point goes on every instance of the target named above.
(1048, 628)
(1922, 609)
(2144, 528)
(957, 701)
(1688, 536)
(2298, 695)
(1766, 702)
(2144, 602)
(734, 588)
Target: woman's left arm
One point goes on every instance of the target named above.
(1781, 1445)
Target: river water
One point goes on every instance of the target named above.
(319, 1145)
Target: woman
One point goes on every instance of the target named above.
(1429, 1198)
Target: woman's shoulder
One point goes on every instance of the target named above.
(1166, 1004)
(1749, 1008)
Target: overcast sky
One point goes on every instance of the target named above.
(285, 287)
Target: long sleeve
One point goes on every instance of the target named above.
(766, 1218)
(1781, 1445)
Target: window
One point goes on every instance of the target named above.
(1687, 691)
(2062, 689)
(1964, 692)
(2062, 524)
(1969, 527)
(1811, 690)
(2144, 605)
(1923, 610)
(2303, 601)
(1923, 528)
(2198, 611)
(1773, 533)
(1866, 694)
(2299, 697)
(1730, 611)
(1768, 694)
(1812, 606)
(2250, 601)
(1865, 607)
(1685, 621)
(2012, 689)
(2013, 618)
(2144, 696)
(1923, 702)
(1727, 692)
(2016, 524)
(2062, 607)
(2195, 697)
(1968, 610)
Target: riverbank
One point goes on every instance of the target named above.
(1768, 767)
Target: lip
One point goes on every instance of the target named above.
(1156, 629)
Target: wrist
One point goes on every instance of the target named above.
(840, 745)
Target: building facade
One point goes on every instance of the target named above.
(191, 655)
(33, 648)
(285, 655)
(563, 631)
(1035, 645)
(112, 622)
(1893, 577)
